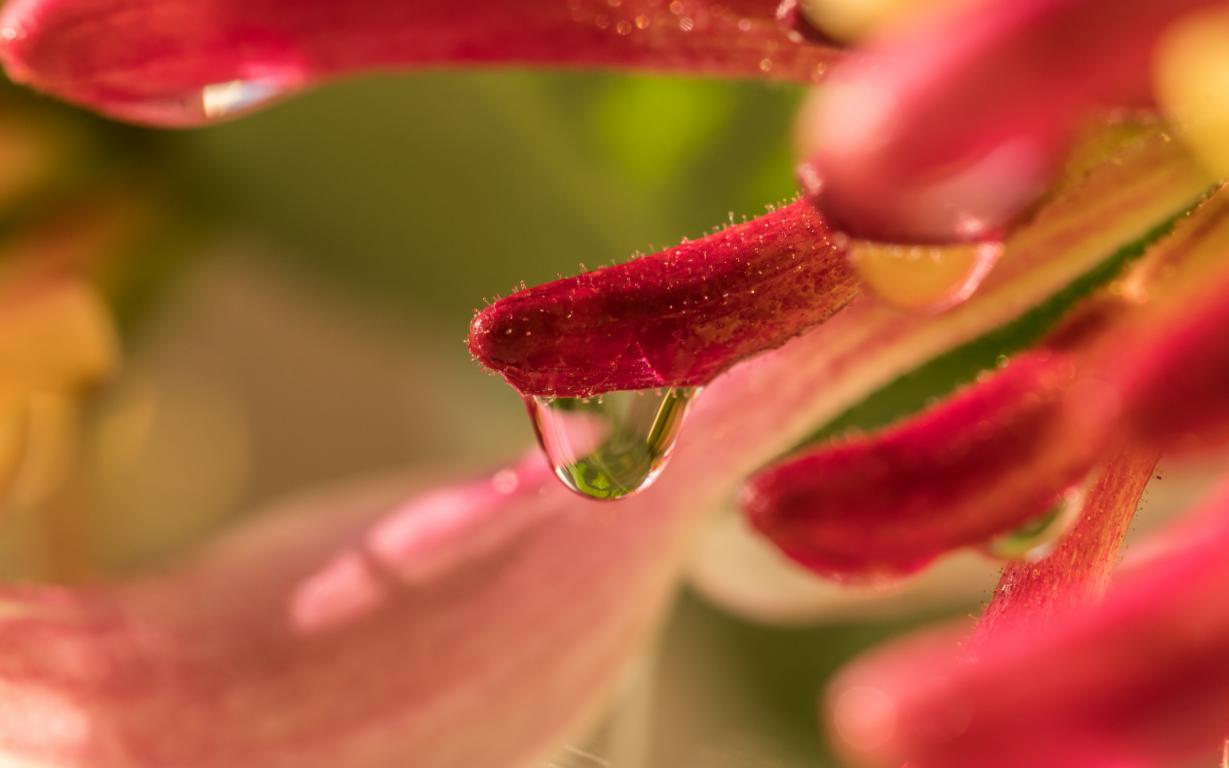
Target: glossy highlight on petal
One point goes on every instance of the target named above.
(182, 62)
(1141, 680)
(677, 317)
(952, 129)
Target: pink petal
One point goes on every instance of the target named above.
(1143, 680)
(151, 60)
(469, 626)
(954, 129)
(676, 318)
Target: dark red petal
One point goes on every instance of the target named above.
(1174, 370)
(1003, 451)
(983, 463)
(676, 318)
(953, 130)
(149, 60)
(1079, 569)
(1142, 680)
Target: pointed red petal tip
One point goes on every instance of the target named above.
(983, 463)
(952, 130)
(1143, 680)
(154, 61)
(677, 317)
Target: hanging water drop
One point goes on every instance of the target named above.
(923, 278)
(612, 445)
(1036, 540)
(210, 104)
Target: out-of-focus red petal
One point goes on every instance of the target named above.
(1173, 368)
(953, 129)
(676, 318)
(983, 463)
(1142, 680)
(1079, 569)
(151, 60)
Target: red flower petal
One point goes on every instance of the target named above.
(1173, 371)
(985, 462)
(681, 316)
(1005, 450)
(151, 60)
(1079, 569)
(955, 129)
(676, 318)
(1143, 680)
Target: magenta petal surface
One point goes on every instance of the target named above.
(954, 128)
(1142, 680)
(677, 317)
(149, 60)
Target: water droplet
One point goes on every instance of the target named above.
(211, 104)
(924, 278)
(1036, 540)
(610, 446)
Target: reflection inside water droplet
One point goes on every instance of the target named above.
(612, 445)
(923, 278)
(1037, 539)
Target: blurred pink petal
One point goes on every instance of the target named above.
(953, 129)
(155, 61)
(1143, 680)
(675, 318)
(468, 626)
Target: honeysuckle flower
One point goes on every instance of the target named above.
(949, 129)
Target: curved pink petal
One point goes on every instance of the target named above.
(153, 60)
(677, 317)
(1142, 680)
(954, 129)
(467, 626)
